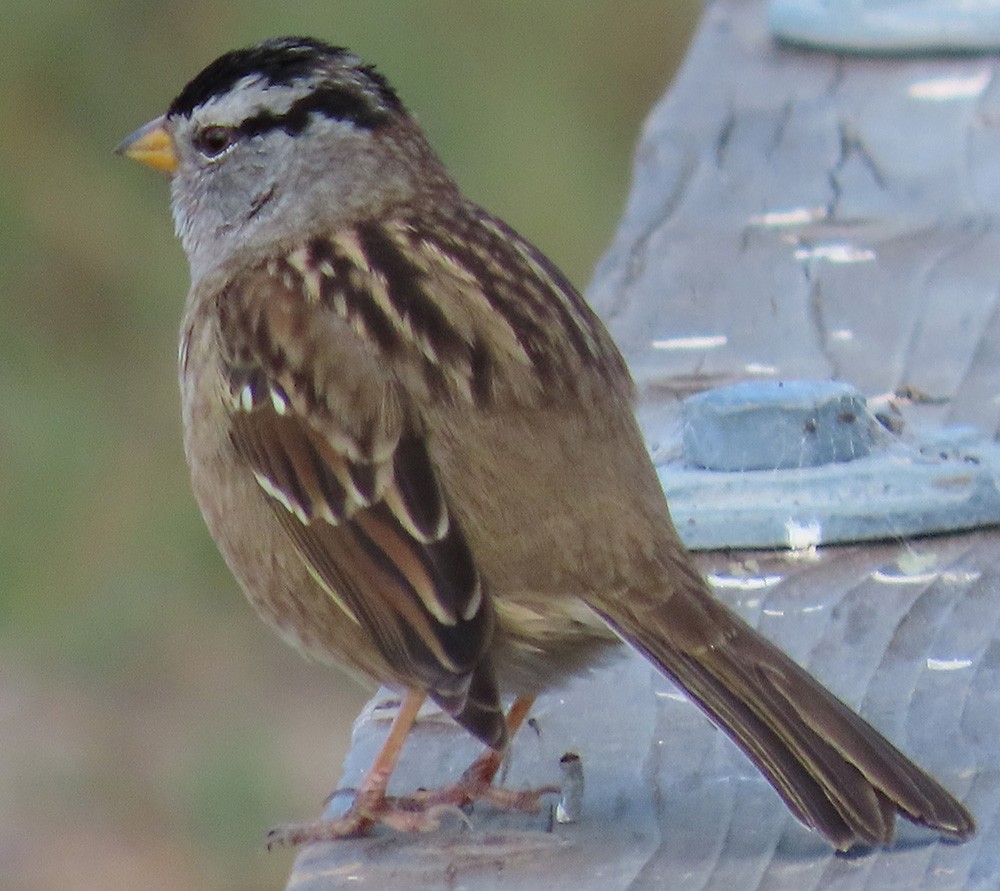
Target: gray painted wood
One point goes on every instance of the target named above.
(893, 165)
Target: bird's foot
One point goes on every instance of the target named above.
(368, 811)
(422, 811)
(476, 784)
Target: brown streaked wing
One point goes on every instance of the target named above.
(324, 432)
(389, 551)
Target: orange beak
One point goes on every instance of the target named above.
(151, 144)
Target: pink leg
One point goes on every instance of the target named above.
(370, 803)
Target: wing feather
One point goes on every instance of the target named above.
(350, 478)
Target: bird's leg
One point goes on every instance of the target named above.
(371, 806)
(422, 811)
(476, 784)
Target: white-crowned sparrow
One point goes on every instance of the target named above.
(414, 445)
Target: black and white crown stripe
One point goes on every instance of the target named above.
(340, 86)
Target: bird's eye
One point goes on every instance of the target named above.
(212, 141)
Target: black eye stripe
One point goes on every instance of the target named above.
(339, 103)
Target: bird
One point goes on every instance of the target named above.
(415, 446)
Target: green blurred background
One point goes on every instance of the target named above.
(151, 729)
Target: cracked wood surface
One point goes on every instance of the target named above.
(793, 214)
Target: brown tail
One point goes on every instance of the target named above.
(835, 772)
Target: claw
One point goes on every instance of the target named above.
(351, 825)
(526, 801)
(339, 793)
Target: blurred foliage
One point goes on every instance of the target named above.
(151, 730)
